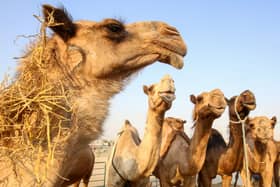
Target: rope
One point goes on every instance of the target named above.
(114, 152)
(244, 140)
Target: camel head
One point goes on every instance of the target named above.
(161, 95)
(208, 104)
(110, 48)
(261, 128)
(245, 103)
(174, 123)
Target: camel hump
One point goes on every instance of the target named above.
(171, 127)
(215, 139)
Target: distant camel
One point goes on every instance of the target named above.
(91, 62)
(276, 167)
(261, 149)
(226, 158)
(132, 161)
(184, 158)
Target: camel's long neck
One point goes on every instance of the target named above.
(148, 150)
(91, 107)
(198, 145)
(234, 149)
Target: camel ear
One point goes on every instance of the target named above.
(227, 100)
(59, 21)
(145, 89)
(184, 121)
(193, 99)
(274, 120)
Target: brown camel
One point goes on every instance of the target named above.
(261, 150)
(91, 62)
(276, 167)
(80, 169)
(132, 161)
(184, 158)
(226, 158)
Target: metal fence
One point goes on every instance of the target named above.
(98, 176)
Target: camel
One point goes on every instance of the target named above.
(171, 127)
(276, 167)
(80, 169)
(226, 158)
(132, 161)
(91, 62)
(185, 157)
(261, 150)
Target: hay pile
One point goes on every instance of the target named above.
(33, 114)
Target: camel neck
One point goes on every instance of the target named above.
(234, 149)
(235, 135)
(148, 150)
(199, 142)
(154, 123)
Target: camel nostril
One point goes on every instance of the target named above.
(171, 31)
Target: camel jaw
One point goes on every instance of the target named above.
(172, 53)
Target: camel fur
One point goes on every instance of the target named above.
(80, 167)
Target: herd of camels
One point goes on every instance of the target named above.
(93, 61)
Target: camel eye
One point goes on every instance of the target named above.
(199, 98)
(115, 28)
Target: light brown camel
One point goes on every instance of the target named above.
(183, 160)
(91, 61)
(132, 161)
(261, 149)
(226, 158)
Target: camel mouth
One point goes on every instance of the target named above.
(250, 105)
(172, 54)
(217, 109)
(167, 96)
(263, 140)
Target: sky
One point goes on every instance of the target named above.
(232, 45)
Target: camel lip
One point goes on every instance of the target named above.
(182, 50)
(217, 109)
(250, 105)
(167, 96)
(263, 140)
(172, 53)
(172, 59)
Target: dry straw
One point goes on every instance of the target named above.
(32, 115)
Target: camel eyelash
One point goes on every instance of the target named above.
(116, 31)
(115, 27)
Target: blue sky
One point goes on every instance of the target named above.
(232, 45)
